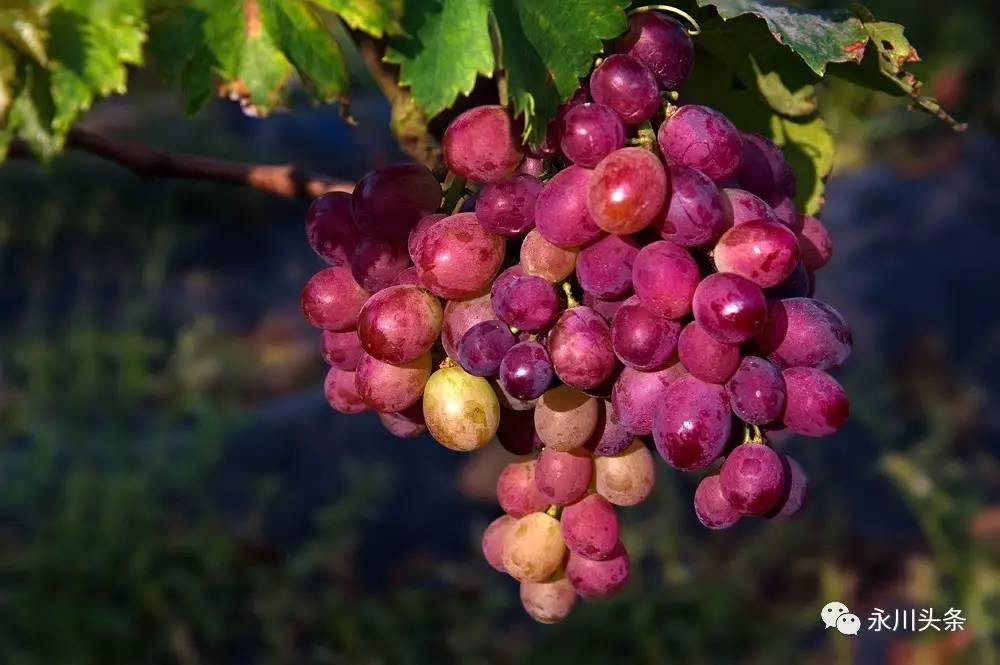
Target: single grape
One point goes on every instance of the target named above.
(803, 332)
(533, 548)
(550, 601)
(753, 479)
(418, 231)
(729, 307)
(599, 579)
(405, 424)
(526, 370)
(815, 242)
(757, 391)
(330, 228)
(341, 392)
(797, 494)
(341, 349)
(493, 538)
(627, 190)
(390, 200)
(526, 302)
(580, 347)
(461, 410)
(507, 207)
(399, 324)
(565, 418)
(561, 214)
(641, 338)
(703, 139)
(331, 299)
(711, 507)
(376, 262)
(563, 476)
(482, 145)
(590, 132)
(605, 268)
(636, 396)
(705, 357)
(606, 308)
(386, 387)
(610, 436)
(517, 491)
(764, 252)
(695, 215)
(516, 432)
(797, 285)
(665, 277)
(590, 527)
(626, 479)
(742, 206)
(483, 347)
(784, 210)
(692, 423)
(541, 258)
(457, 258)
(459, 316)
(764, 170)
(815, 404)
(660, 43)
(624, 84)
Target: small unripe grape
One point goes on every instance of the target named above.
(493, 538)
(533, 548)
(541, 258)
(565, 418)
(627, 478)
(461, 410)
(550, 601)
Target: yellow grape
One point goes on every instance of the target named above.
(461, 410)
(627, 478)
(566, 418)
(533, 548)
(550, 601)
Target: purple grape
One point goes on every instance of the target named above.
(765, 172)
(814, 239)
(341, 349)
(481, 145)
(526, 302)
(797, 493)
(599, 579)
(331, 299)
(341, 392)
(459, 316)
(757, 391)
(803, 332)
(797, 285)
(580, 345)
(692, 423)
(405, 424)
(753, 479)
(376, 262)
(516, 490)
(516, 432)
(561, 213)
(711, 507)
(605, 308)
(507, 208)
(390, 200)
(703, 139)
(643, 339)
(624, 84)
(605, 268)
(784, 210)
(704, 356)
(483, 347)
(590, 133)
(660, 43)
(815, 404)
(665, 277)
(330, 228)
(610, 436)
(563, 476)
(399, 324)
(696, 212)
(637, 395)
(746, 207)
(627, 190)
(590, 527)
(764, 252)
(456, 257)
(730, 308)
(526, 370)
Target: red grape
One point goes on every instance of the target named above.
(493, 541)
(815, 404)
(704, 356)
(711, 506)
(764, 252)
(580, 346)
(641, 338)
(703, 139)
(695, 215)
(757, 391)
(405, 424)
(541, 258)
(692, 423)
(753, 479)
(507, 207)
(624, 84)
(590, 527)
(729, 307)
(481, 145)
(386, 387)
(526, 370)
(803, 332)
(660, 43)
(561, 213)
(330, 228)
(605, 268)
(526, 302)
(563, 476)
(599, 578)
(483, 347)
(797, 494)
(746, 207)
(399, 324)
(637, 395)
(590, 133)
(341, 392)
(459, 316)
(389, 201)
(341, 349)
(610, 436)
(627, 190)
(332, 299)
(665, 277)
(814, 239)
(376, 262)
(516, 490)
(456, 257)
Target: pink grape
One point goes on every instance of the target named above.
(641, 338)
(457, 258)
(493, 541)
(711, 507)
(814, 239)
(341, 349)
(390, 200)
(330, 228)
(563, 476)
(757, 391)
(481, 145)
(541, 258)
(516, 432)
(661, 44)
(407, 276)
(704, 356)
(599, 579)
(332, 300)
(526, 302)
(517, 492)
(784, 210)
(341, 392)
(376, 262)
(815, 404)
(502, 283)
(605, 268)
(561, 213)
(767, 173)
(803, 332)
(610, 436)
(459, 316)
(695, 215)
(692, 423)
(637, 395)
(526, 370)
(764, 252)
(590, 133)
(507, 207)
(665, 277)
(703, 139)
(386, 387)
(624, 84)
(627, 190)
(399, 324)
(729, 307)
(483, 347)
(797, 494)
(590, 527)
(418, 231)
(753, 479)
(405, 424)
(550, 601)
(580, 347)
(746, 207)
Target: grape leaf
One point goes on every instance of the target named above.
(307, 42)
(22, 24)
(376, 17)
(31, 113)
(446, 46)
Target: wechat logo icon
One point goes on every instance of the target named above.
(837, 615)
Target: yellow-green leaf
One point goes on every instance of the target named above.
(301, 35)
(376, 17)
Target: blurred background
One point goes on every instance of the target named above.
(175, 489)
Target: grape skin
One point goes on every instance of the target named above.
(565, 418)
(763, 252)
(757, 391)
(636, 396)
(386, 387)
(527, 303)
(705, 357)
(660, 43)
(526, 370)
(563, 476)
(508, 207)
(692, 424)
(493, 538)
(461, 410)
(332, 300)
(483, 347)
(627, 190)
(580, 348)
(590, 133)
(803, 332)
(376, 262)
(330, 228)
(399, 324)
(456, 257)
(550, 601)
(797, 493)
(625, 479)
(481, 145)
(459, 316)
(711, 507)
(590, 527)
(624, 84)
(604, 269)
(666, 277)
(405, 424)
(641, 338)
(341, 392)
(517, 492)
(341, 349)
(610, 436)
(561, 214)
(390, 200)
(703, 139)
(742, 206)
(768, 175)
(729, 307)
(696, 213)
(533, 548)
(541, 258)
(815, 242)
(599, 579)
(753, 479)
(815, 404)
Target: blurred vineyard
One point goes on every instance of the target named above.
(174, 489)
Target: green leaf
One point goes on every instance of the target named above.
(446, 48)
(306, 41)
(22, 23)
(32, 112)
(376, 17)
(8, 78)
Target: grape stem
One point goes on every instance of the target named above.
(570, 300)
(753, 434)
(693, 27)
(554, 511)
(646, 138)
(453, 194)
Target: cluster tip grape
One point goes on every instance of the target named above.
(639, 281)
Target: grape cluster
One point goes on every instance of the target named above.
(640, 280)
